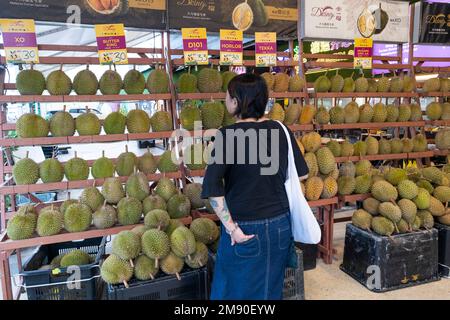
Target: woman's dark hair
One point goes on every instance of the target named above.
(251, 93)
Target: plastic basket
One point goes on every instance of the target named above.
(294, 287)
(53, 284)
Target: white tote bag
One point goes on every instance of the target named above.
(305, 227)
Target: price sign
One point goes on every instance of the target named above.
(195, 46)
(266, 49)
(111, 44)
(19, 40)
(231, 47)
(363, 53)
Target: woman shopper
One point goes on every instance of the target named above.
(244, 183)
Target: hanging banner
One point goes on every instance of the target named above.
(195, 46)
(19, 40)
(382, 20)
(148, 14)
(266, 49)
(435, 23)
(111, 43)
(363, 53)
(249, 16)
(231, 48)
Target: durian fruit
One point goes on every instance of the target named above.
(137, 186)
(349, 84)
(281, 82)
(372, 146)
(330, 188)
(227, 76)
(116, 271)
(384, 191)
(335, 147)
(445, 220)
(395, 175)
(31, 125)
(77, 218)
(26, 171)
(126, 163)
(445, 111)
(362, 219)
(115, 123)
(105, 217)
(420, 143)
(22, 225)
(409, 84)
(363, 184)
(30, 82)
(396, 84)
(351, 112)
(322, 116)
(425, 184)
(396, 145)
(166, 188)
(112, 190)
(153, 202)
(337, 115)
(204, 230)
(322, 84)
(277, 113)
(161, 121)
(147, 163)
(51, 170)
(373, 85)
(189, 115)
(110, 83)
(76, 169)
(380, 113)
(314, 188)
(172, 264)
(183, 242)
(129, 211)
(140, 230)
(200, 257)
(173, 225)
(347, 169)
(408, 145)
(426, 219)
(58, 83)
(209, 80)
(384, 84)
(363, 167)
(158, 81)
(407, 189)
(144, 268)
(445, 85)
(269, 78)
(347, 149)
(194, 157)
(157, 219)
(360, 149)
(403, 226)
(134, 82)
(325, 160)
(307, 115)
(404, 113)
(365, 113)
(361, 84)
(292, 114)
(311, 162)
(85, 82)
(311, 141)
(432, 85)
(296, 83)
(433, 174)
(138, 121)
(384, 146)
(193, 191)
(67, 203)
(392, 113)
(228, 118)
(442, 193)
(179, 206)
(434, 111)
(49, 223)
(62, 124)
(103, 168)
(371, 206)
(92, 197)
(75, 258)
(155, 245)
(416, 112)
(337, 82)
(436, 208)
(187, 83)
(166, 164)
(346, 185)
(383, 226)
(126, 245)
(88, 124)
(212, 115)
(422, 200)
(391, 211)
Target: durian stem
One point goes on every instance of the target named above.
(131, 262)
(152, 277)
(104, 203)
(60, 67)
(126, 148)
(189, 257)
(125, 283)
(103, 153)
(27, 154)
(178, 276)
(156, 263)
(64, 108)
(76, 154)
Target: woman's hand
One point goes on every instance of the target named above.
(238, 236)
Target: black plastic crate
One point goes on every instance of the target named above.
(309, 255)
(294, 285)
(388, 263)
(444, 249)
(194, 285)
(52, 284)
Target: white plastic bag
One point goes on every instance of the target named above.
(305, 227)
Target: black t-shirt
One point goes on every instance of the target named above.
(253, 187)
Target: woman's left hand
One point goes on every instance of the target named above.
(238, 236)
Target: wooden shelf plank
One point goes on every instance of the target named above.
(354, 198)
(222, 95)
(441, 153)
(91, 98)
(370, 125)
(323, 202)
(301, 127)
(433, 94)
(396, 156)
(437, 123)
(364, 95)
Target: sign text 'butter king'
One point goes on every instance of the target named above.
(111, 43)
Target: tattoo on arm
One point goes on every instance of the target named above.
(220, 208)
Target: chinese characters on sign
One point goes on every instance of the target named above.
(231, 47)
(363, 53)
(266, 49)
(195, 46)
(19, 40)
(111, 43)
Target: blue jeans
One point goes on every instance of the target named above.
(253, 270)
